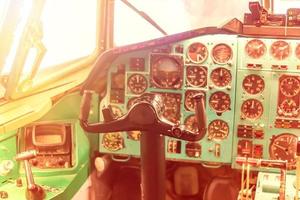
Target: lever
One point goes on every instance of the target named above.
(34, 191)
(200, 114)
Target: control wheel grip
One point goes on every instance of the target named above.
(200, 113)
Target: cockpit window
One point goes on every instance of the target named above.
(44, 34)
(173, 16)
(3, 9)
(281, 6)
(69, 30)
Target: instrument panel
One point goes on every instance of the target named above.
(251, 88)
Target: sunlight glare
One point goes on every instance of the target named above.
(17, 37)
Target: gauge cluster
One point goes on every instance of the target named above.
(267, 118)
(251, 88)
(203, 65)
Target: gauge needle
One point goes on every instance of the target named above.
(222, 131)
(199, 57)
(252, 105)
(280, 147)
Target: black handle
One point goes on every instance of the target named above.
(200, 114)
(145, 115)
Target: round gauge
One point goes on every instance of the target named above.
(252, 109)
(189, 103)
(280, 50)
(289, 86)
(137, 83)
(288, 108)
(171, 106)
(191, 123)
(221, 53)
(196, 76)
(218, 129)
(134, 135)
(166, 72)
(220, 102)
(113, 141)
(197, 52)
(297, 51)
(255, 48)
(253, 84)
(284, 147)
(221, 77)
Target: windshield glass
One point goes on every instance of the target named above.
(45, 34)
(173, 16)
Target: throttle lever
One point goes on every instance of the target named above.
(200, 113)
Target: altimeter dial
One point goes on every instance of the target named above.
(253, 84)
(221, 77)
(221, 53)
(197, 52)
(283, 147)
(196, 76)
(137, 83)
(290, 86)
(252, 109)
(255, 48)
(280, 50)
(218, 129)
(220, 102)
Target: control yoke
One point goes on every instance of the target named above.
(144, 115)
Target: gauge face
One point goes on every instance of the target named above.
(196, 76)
(221, 77)
(288, 108)
(284, 147)
(189, 103)
(252, 109)
(137, 83)
(171, 106)
(297, 51)
(289, 86)
(191, 123)
(218, 129)
(255, 48)
(220, 102)
(253, 84)
(221, 53)
(113, 141)
(166, 72)
(197, 52)
(280, 50)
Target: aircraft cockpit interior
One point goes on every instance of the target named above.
(151, 100)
